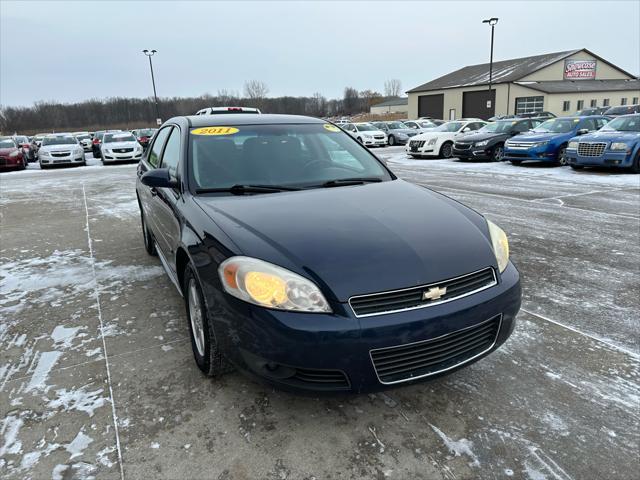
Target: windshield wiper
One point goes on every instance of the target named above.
(349, 181)
(239, 189)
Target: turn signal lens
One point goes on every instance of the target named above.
(262, 283)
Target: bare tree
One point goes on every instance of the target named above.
(227, 97)
(370, 97)
(255, 90)
(392, 88)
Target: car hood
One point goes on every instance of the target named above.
(406, 131)
(58, 148)
(478, 137)
(612, 136)
(112, 145)
(357, 239)
(540, 137)
(372, 132)
(429, 135)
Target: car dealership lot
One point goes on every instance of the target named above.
(559, 400)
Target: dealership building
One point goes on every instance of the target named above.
(560, 83)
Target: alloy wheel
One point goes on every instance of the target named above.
(195, 316)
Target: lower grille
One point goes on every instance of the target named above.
(321, 379)
(424, 295)
(591, 149)
(429, 357)
(122, 150)
(60, 154)
(379, 137)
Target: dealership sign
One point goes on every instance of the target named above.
(579, 69)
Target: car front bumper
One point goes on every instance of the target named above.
(333, 352)
(475, 153)
(121, 157)
(540, 154)
(68, 160)
(374, 142)
(607, 159)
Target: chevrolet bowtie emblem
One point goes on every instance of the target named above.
(434, 293)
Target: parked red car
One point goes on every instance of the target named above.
(25, 145)
(11, 156)
(144, 136)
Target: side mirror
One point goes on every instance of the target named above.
(159, 178)
(583, 131)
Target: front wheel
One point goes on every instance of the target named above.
(498, 153)
(392, 141)
(446, 151)
(203, 342)
(562, 157)
(635, 167)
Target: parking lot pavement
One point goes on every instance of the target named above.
(97, 377)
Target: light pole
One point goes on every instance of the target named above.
(491, 21)
(150, 54)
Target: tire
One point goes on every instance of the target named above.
(562, 157)
(498, 153)
(635, 167)
(516, 162)
(446, 150)
(203, 343)
(392, 141)
(147, 238)
(43, 167)
(577, 167)
(360, 139)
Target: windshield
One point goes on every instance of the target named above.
(427, 124)
(498, 127)
(21, 139)
(365, 127)
(618, 110)
(557, 125)
(285, 155)
(7, 143)
(397, 125)
(58, 141)
(449, 127)
(145, 133)
(118, 137)
(624, 124)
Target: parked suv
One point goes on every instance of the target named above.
(488, 142)
(397, 132)
(548, 141)
(617, 144)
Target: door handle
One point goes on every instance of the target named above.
(153, 191)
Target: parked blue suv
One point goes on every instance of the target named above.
(548, 141)
(615, 145)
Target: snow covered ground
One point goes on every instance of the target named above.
(97, 377)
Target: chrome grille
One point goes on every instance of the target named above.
(60, 154)
(462, 146)
(417, 297)
(519, 144)
(416, 143)
(587, 149)
(403, 363)
(122, 150)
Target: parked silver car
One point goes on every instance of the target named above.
(397, 132)
(60, 150)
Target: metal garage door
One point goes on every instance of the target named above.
(431, 106)
(474, 104)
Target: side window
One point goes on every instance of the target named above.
(171, 154)
(601, 122)
(156, 148)
(521, 127)
(589, 124)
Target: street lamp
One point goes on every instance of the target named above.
(491, 21)
(150, 54)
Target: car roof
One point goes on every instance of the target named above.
(235, 119)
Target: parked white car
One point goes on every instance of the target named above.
(438, 142)
(120, 146)
(421, 126)
(366, 133)
(60, 150)
(85, 140)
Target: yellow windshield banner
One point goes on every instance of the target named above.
(215, 131)
(330, 128)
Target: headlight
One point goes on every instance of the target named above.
(79, 150)
(542, 144)
(43, 153)
(432, 141)
(572, 146)
(482, 143)
(618, 146)
(500, 245)
(14, 154)
(267, 285)
(366, 135)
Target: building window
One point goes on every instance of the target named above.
(594, 103)
(635, 100)
(623, 101)
(566, 105)
(580, 104)
(529, 105)
(605, 102)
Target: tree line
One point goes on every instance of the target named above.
(128, 113)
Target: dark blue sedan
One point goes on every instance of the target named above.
(305, 262)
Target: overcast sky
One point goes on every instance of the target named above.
(70, 51)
